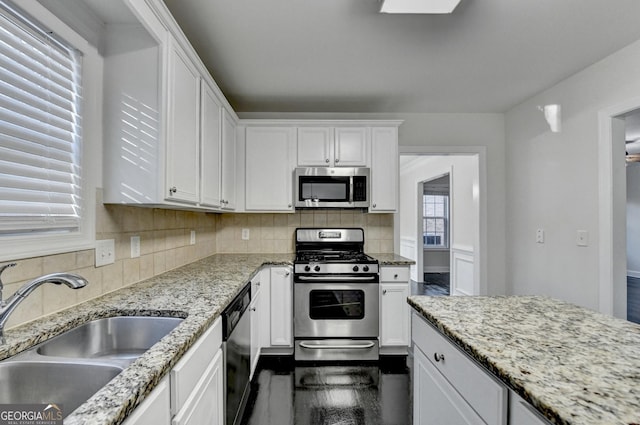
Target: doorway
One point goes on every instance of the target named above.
(434, 206)
(618, 209)
(465, 167)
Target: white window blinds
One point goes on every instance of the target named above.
(40, 127)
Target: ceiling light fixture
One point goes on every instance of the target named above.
(553, 115)
(418, 6)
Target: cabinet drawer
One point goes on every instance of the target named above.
(483, 392)
(394, 274)
(192, 366)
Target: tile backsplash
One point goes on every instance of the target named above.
(165, 244)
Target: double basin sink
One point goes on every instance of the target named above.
(71, 367)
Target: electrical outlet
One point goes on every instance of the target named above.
(540, 236)
(192, 240)
(245, 234)
(582, 238)
(105, 252)
(135, 246)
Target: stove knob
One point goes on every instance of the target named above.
(316, 268)
(356, 268)
(365, 269)
(307, 268)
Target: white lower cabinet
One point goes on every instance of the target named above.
(255, 311)
(197, 393)
(394, 310)
(281, 314)
(205, 404)
(450, 387)
(435, 401)
(154, 410)
(522, 413)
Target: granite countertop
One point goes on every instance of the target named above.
(390, 259)
(198, 292)
(576, 366)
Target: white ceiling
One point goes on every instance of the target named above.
(344, 56)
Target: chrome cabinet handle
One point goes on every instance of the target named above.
(337, 160)
(173, 190)
(395, 276)
(286, 274)
(438, 357)
(384, 292)
(374, 205)
(253, 309)
(326, 160)
(289, 206)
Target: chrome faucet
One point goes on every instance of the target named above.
(73, 281)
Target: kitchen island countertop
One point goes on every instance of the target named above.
(576, 366)
(198, 292)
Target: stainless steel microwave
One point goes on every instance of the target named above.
(327, 187)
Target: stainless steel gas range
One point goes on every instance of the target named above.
(336, 296)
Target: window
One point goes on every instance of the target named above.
(435, 220)
(40, 128)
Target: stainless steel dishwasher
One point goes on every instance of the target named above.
(237, 354)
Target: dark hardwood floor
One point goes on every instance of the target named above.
(286, 393)
(633, 299)
(434, 284)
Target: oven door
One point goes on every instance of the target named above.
(336, 310)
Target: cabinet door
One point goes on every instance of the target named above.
(228, 186)
(183, 119)
(394, 314)
(254, 310)
(154, 410)
(210, 147)
(270, 153)
(384, 169)
(435, 401)
(351, 147)
(522, 413)
(281, 307)
(315, 146)
(206, 404)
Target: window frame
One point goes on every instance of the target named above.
(35, 244)
(446, 218)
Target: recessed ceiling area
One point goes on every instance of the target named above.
(345, 56)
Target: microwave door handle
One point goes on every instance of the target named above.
(351, 189)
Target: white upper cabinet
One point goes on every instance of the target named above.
(183, 131)
(384, 170)
(228, 191)
(315, 146)
(269, 164)
(351, 146)
(169, 132)
(333, 146)
(210, 147)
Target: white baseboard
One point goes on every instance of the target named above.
(436, 269)
(633, 273)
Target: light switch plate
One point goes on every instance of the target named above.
(245, 234)
(540, 236)
(192, 239)
(105, 252)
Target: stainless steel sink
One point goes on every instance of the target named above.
(70, 384)
(114, 338)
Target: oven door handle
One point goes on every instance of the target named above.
(337, 278)
(364, 346)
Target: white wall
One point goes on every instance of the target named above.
(459, 130)
(633, 221)
(464, 220)
(552, 181)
